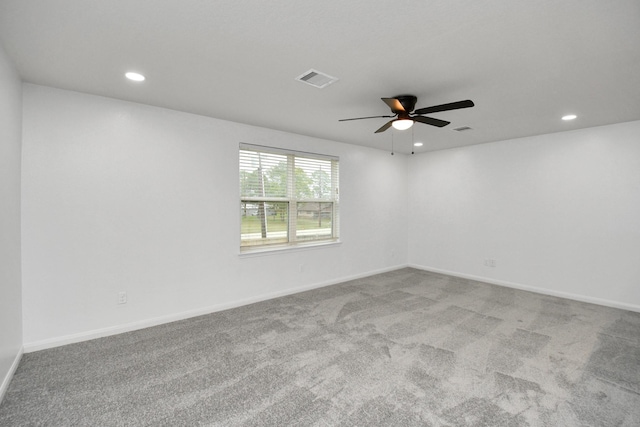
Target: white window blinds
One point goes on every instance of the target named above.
(286, 197)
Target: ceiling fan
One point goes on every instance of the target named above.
(403, 118)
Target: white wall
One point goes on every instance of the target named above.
(10, 151)
(559, 213)
(125, 197)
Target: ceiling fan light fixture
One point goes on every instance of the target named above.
(402, 107)
(402, 124)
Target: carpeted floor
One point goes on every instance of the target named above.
(405, 348)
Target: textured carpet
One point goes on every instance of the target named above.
(405, 348)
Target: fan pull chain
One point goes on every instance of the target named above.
(412, 141)
(392, 143)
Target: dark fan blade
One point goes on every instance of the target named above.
(430, 121)
(361, 118)
(394, 104)
(385, 126)
(445, 107)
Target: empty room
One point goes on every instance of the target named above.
(363, 213)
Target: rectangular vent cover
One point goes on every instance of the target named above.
(316, 78)
(462, 129)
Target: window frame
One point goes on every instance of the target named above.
(292, 200)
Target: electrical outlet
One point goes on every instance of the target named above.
(122, 297)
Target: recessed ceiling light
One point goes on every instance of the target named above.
(136, 77)
(418, 144)
(569, 117)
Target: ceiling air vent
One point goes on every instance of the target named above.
(316, 78)
(462, 129)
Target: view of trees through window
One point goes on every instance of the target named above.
(287, 198)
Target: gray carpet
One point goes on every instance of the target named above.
(405, 348)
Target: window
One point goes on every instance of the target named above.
(287, 198)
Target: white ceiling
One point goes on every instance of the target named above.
(523, 63)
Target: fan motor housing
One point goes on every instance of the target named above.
(407, 101)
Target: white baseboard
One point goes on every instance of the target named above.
(12, 370)
(119, 329)
(538, 290)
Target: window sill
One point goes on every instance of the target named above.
(261, 251)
